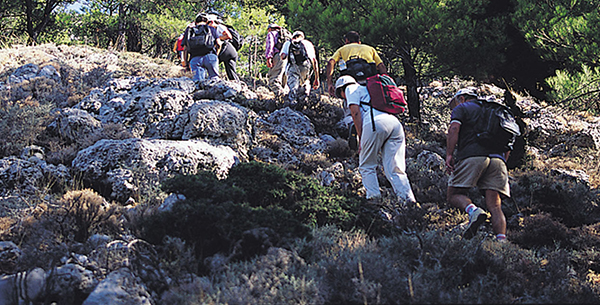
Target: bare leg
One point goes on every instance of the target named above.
(493, 203)
(457, 197)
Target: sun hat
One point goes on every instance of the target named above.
(298, 33)
(274, 26)
(342, 82)
(464, 91)
(212, 17)
(200, 17)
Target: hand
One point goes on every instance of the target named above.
(316, 83)
(331, 89)
(449, 164)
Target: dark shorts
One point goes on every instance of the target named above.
(484, 172)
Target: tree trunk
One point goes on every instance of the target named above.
(29, 16)
(119, 44)
(134, 31)
(412, 95)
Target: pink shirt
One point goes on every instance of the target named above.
(270, 49)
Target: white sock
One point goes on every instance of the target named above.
(470, 208)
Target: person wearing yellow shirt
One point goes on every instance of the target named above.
(353, 48)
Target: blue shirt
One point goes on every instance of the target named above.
(467, 114)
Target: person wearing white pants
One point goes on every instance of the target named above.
(387, 138)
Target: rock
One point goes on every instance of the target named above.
(9, 256)
(28, 176)
(221, 123)
(69, 280)
(72, 124)
(168, 203)
(115, 163)
(119, 287)
(286, 136)
(23, 287)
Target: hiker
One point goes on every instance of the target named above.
(301, 54)
(387, 138)
(203, 56)
(353, 49)
(470, 164)
(178, 49)
(228, 55)
(277, 76)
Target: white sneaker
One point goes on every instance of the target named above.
(476, 219)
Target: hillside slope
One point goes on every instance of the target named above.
(118, 171)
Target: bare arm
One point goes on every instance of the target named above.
(356, 118)
(451, 141)
(329, 72)
(315, 65)
(382, 69)
(226, 35)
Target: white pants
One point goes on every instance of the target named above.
(389, 140)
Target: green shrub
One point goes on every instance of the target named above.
(216, 213)
(578, 90)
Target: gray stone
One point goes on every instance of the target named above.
(119, 287)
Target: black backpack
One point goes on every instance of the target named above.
(200, 40)
(359, 68)
(236, 39)
(283, 35)
(298, 51)
(497, 128)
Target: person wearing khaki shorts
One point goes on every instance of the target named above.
(470, 164)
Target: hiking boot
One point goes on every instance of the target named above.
(476, 219)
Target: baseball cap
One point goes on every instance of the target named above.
(200, 17)
(212, 17)
(298, 33)
(464, 91)
(274, 26)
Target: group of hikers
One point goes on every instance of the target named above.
(205, 43)
(291, 60)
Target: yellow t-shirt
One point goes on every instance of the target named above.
(353, 50)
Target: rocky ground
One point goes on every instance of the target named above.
(120, 125)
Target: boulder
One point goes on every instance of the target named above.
(120, 287)
(72, 124)
(116, 164)
(23, 287)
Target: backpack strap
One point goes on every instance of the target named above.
(371, 110)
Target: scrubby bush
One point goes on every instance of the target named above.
(216, 213)
(83, 213)
(568, 200)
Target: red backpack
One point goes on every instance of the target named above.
(385, 95)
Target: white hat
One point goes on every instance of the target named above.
(464, 91)
(274, 26)
(298, 33)
(342, 82)
(212, 17)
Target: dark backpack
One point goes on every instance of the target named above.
(200, 40)
(496, 128)
(236, 38)
(298, 51)
(359, 68)
(385, 95)
(283, 35)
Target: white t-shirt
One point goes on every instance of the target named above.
(310, 48)
(220, 29)
(357, 93)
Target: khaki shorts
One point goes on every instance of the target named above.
(484, 172)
